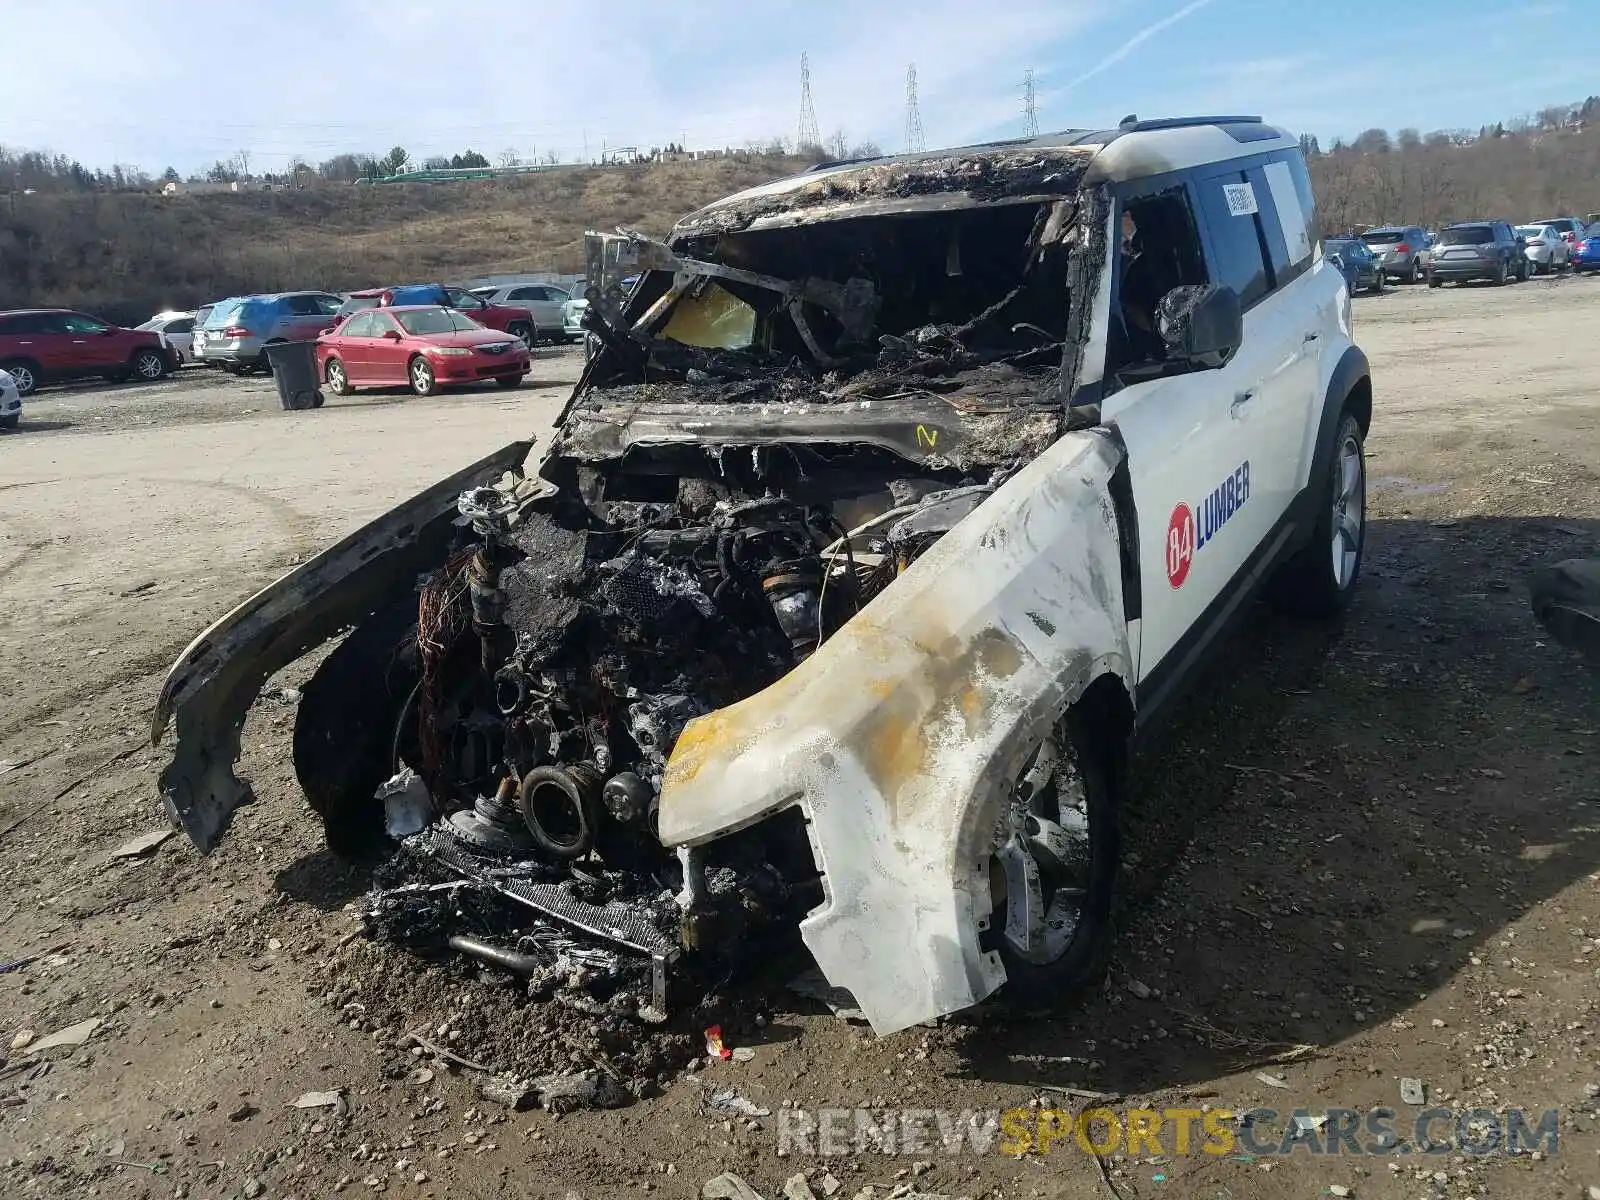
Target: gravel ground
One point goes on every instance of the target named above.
(1358, 855)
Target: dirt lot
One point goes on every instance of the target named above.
(1374, 843)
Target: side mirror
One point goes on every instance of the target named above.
(1201, 324)
(1337, 260)
(108, 331)
(391, 335)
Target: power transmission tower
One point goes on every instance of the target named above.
(809, 135)
(1030, 104)
(915, 142)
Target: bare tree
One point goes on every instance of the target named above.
(508, 157)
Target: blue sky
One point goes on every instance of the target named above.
(110, 82)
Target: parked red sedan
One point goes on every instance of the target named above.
(514, 321)
(425, 347)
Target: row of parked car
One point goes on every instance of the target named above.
(233, 333)
(1489, 249)
(43, 345)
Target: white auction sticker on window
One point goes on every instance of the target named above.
(1241, 198)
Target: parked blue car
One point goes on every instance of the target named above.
(1363, 270)
(1586, 254)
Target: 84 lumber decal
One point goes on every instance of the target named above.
(1187, 536)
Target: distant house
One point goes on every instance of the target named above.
(175, 187)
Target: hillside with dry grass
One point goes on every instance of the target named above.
(127, 255)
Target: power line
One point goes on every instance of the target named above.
(1030, 104)
(915, 143)
(809, 135)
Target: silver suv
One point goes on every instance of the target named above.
(238, 329)
(1399, 250)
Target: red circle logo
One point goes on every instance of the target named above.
(1180, 545)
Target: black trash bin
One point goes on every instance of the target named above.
(294, 370)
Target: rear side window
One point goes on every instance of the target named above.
(223, 313)
(181, 325)
(1288, 236)
(1232, 214)
(304, 306)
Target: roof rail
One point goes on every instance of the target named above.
(1134, 125)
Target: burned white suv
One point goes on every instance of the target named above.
(898, 498)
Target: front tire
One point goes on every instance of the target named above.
(148, 366)
(344, 731)
(1434, 281)
(25, 374)
(525, 332)
(337, 378)
(509, 381)
(1415, 274)
(11, 422)
(1055, 861)
(423, 381)
(1319, 581)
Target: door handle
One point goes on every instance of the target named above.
(1311, 337)
(1241, 402)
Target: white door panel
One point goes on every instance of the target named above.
(1191, 462)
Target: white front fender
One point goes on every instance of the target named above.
(898, 736)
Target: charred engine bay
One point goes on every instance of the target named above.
(747, 463)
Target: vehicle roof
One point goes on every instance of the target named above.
(28, 312)
(1389, 229)
(994, 172)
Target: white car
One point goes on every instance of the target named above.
(572, 318)
(10, 401)
(544, 302)
(177, 331)
(900, 497)
(1546, 250)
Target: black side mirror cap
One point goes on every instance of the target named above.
(1202, 324)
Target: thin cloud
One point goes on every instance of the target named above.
(1137, 40)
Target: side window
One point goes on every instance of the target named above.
(78, 323)
(1158, 250)
(1289, 241)
(359, 325)
(183, 325)
(382, 323)
(304, 306)
(1232, 215)
(329, 305)
(525, 294)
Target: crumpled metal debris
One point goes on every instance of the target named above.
(72, 1035)
(729, 1103)
(407, 804)
(139, 847)
(728, 1186)
(581, 1089)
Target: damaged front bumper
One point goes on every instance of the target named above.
(214, 682)
(899, 737)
